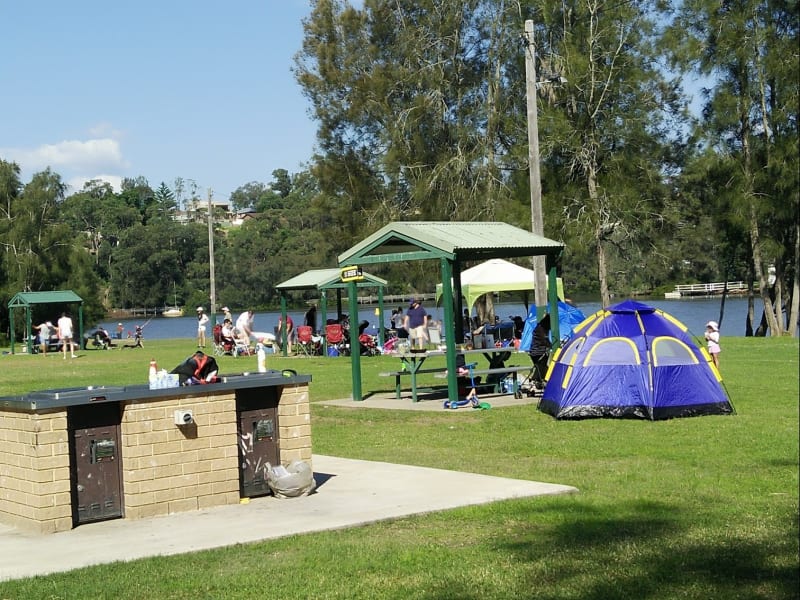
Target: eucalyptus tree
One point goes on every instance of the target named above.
(97, 215)
(41, 251)
(413, 110)
(607, 136)
(750, 118)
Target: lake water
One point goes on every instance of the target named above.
(692, 312)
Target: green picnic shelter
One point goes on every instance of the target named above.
(451, 244)
(27, 300)
(324, 281)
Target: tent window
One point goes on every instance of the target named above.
(568, 355)
(613, 351)
(668, 351)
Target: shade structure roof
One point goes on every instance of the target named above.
(323, 279)
(52, 297)
(453, 240)
(495, 275)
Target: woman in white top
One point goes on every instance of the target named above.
(202, 322)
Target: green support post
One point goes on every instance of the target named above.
(552, 296)
(355, 353)
(450, 329)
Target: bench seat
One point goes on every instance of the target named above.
(398, 374)
(513, 370)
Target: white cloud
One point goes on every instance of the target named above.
(89, 155)
(76, 183)
(74, 160)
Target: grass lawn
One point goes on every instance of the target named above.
(688, 508)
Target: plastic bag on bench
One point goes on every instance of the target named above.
(291, 482)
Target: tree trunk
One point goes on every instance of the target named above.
(794, 311)
(602, 264)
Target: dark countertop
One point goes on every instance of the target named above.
(60, 398)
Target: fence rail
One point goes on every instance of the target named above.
(707, 289)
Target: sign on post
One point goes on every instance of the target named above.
(351, 273)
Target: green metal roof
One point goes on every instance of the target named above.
(54, 297)
(322, 279)
(468, 240)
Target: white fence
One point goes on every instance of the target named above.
(707, 289)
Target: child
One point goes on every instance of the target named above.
(712, 337)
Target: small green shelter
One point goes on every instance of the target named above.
(324, 280)
(451, 243)
(27, 300)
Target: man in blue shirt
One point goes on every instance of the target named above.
(414, 323)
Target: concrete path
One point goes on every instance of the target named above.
(349, 492)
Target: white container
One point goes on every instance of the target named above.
(261, 356)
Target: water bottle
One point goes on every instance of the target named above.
(261, 355)
(153, 373)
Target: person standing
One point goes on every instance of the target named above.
(45, 330)
(310, 319)
(226, 314)
(244, 327)
(65, 335)
(289, 332)
(202, 324)
(414, 323)
(712, 337)
(540, 350)
(120, 329)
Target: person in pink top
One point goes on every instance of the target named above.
(289, 332)
(712, 337)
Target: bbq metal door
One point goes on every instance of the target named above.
(96, 462)
(258, 439)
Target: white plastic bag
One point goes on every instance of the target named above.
(293, 481)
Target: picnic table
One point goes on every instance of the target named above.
(411, 364)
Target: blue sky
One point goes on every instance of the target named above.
(159, 88)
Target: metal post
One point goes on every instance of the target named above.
(537, 219)
(213, 285)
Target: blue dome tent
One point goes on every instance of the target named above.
(631, 360)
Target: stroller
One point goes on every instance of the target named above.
(367, 342)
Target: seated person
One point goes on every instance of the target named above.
(227, 335)
(99, 338)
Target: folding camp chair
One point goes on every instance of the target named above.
(334, 337)
(216, 333)
(305, 341)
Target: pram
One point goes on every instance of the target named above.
(367, 342)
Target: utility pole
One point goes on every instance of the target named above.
(211, 255)
(537, 219)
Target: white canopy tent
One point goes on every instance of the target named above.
(496, 275)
